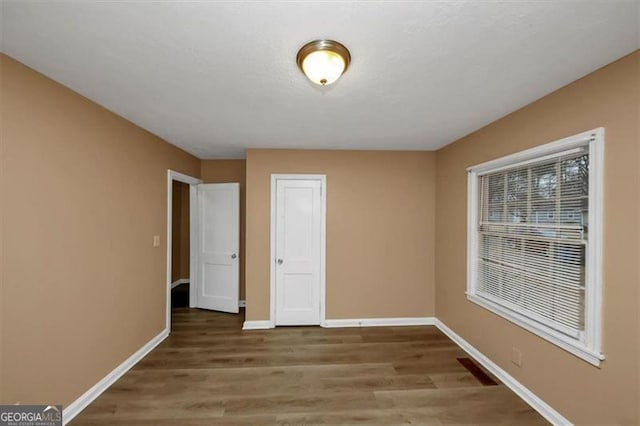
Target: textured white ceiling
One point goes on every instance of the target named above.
(215, 78)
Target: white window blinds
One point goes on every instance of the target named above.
(532, 238)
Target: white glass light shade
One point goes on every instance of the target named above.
(323, 66)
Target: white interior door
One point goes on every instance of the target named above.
(218, 284)
(297, 260)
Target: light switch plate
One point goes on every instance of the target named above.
(156, 240)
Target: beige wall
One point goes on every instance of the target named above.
(230, 171)
(581, 392)
(180, 232)
(84, 192)
(380, 230)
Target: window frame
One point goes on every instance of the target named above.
(588, 347)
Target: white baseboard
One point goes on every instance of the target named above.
(361, 322)
(242, 303)
(518, 388)
(81, 403)
(378, 322)
(257, 325)
(178, 282)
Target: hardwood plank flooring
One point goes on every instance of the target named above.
(210, 372)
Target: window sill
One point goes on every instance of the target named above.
(558, 339)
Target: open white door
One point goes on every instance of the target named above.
(218, 247)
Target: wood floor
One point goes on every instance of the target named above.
(209, 372)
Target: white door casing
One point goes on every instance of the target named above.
(298, 249)
(193, 183)
(218, 282)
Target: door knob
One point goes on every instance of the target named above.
(233, 256)
(280, 261)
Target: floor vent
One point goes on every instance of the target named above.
(477, 372)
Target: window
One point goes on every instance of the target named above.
(534, 240)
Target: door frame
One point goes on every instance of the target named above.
(172, 176)
(323, 240)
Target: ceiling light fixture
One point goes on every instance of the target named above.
(323, 61)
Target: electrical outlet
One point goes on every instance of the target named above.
(156, 240)
(516, 356)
